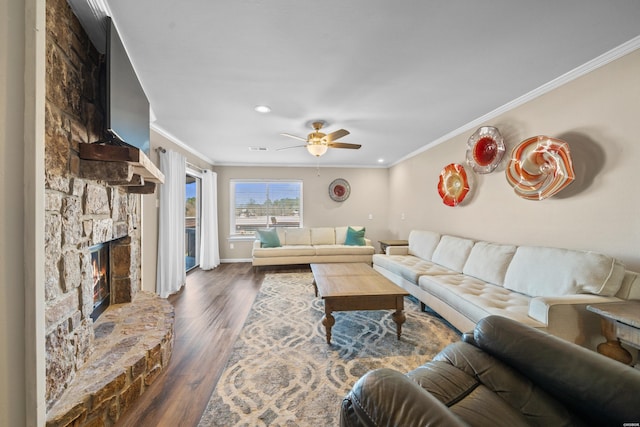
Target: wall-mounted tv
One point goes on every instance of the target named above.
(127, 106)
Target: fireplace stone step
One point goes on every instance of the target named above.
(133, 345)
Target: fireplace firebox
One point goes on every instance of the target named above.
(101, 278)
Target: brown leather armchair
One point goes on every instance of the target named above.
(504, 374)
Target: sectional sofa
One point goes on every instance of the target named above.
(547, 288)
(312, 245)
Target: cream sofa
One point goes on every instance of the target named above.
(547, 288)
(311, 245)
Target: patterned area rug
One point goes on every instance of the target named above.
(282, 372)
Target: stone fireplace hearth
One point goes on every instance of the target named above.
(94, 371)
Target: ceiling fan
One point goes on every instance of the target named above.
(317, 142)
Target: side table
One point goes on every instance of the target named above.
(620, 323)
(385, 243)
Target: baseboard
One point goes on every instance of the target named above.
(232, 260)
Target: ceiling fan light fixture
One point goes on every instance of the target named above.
(317, 149)
(262, 109)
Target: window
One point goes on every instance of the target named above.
(261, 204)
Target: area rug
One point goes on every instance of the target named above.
(282, 372)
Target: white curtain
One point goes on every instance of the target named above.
(209, 251)
(171, 249)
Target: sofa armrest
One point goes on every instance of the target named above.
(385, 397)
(256, 244)
(367, 242)
(397, 250)
(543, 309)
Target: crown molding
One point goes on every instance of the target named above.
(594, 64)
(181, 144)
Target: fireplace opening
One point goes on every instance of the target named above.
(101, 279)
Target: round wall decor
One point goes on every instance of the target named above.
(339, 190)
(453, 184)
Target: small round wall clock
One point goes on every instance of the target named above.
(339, 190)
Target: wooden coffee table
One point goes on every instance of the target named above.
(356, 286)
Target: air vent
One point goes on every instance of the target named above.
(258, 149)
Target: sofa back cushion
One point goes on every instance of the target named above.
(539, 271)
(423, 243)
(341, 233)
(452, 252)
(323, 236)
(489, 262)
(298, 236)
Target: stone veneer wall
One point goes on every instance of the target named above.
(79, 213)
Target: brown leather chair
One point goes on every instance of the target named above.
(504, 374)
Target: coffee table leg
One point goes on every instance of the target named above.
(399, 317)
(328, 321)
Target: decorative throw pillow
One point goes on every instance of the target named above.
(269, 238)
(354, 237)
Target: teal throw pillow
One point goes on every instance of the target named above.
(269, 238)
(354, 237)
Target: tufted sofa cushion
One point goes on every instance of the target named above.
(476, 299)
(409, 267)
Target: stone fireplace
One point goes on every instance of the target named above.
(96, 366)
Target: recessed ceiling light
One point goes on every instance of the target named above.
(264, 109)
(380, 160)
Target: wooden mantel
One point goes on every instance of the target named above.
(119, 165)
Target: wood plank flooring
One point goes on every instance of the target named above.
(210, 312)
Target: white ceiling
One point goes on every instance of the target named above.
(398, 75)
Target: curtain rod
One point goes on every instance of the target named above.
(197, 168)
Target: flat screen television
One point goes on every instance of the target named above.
(127, 106)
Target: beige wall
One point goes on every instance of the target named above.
(599, 116)
(369, 195)
(12, 294)
(150, 211)
(22, 61)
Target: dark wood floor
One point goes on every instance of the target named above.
(210, 312)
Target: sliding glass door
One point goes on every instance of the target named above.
(192, 220)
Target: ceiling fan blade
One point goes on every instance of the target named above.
(337, 134)
(293, 146)
(294, 136)
(344, 145)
